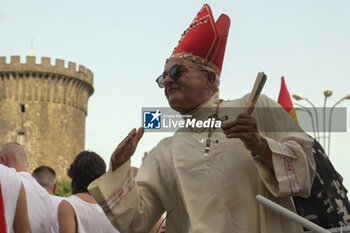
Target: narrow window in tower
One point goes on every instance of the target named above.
(23, 108)
(21, 138)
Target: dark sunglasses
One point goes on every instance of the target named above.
(174, 73)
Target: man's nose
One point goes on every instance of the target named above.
(168, 80)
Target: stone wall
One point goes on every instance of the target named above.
(43, 107)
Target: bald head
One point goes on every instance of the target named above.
(14, 155)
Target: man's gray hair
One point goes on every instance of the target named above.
(217, 77)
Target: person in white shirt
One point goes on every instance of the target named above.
(80, 212)
(38, 200)
(14, 200)
(46, 177)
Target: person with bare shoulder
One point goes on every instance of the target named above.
(39, 204)
(13, 198)
(80, 213)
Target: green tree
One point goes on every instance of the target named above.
(63, 189)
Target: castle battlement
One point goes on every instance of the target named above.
(43, 106)
(15, 65)
(44, 82)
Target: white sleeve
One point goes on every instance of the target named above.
(130, 206)
(293, 162)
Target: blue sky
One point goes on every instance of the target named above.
(125, 44)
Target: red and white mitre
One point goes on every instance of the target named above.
(204, 41)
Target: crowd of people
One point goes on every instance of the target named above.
(29, 201)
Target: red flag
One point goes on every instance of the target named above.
(3, 225)
(285, 101)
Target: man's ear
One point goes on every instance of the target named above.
(3, 159)
(54, 189)
(211, 81)
(211, 77)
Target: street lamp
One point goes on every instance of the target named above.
(330, 120)
(299, 96)
(326, 93)
(305, 109)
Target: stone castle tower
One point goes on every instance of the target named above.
(43, 107)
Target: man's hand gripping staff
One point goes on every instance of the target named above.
(245, 126)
